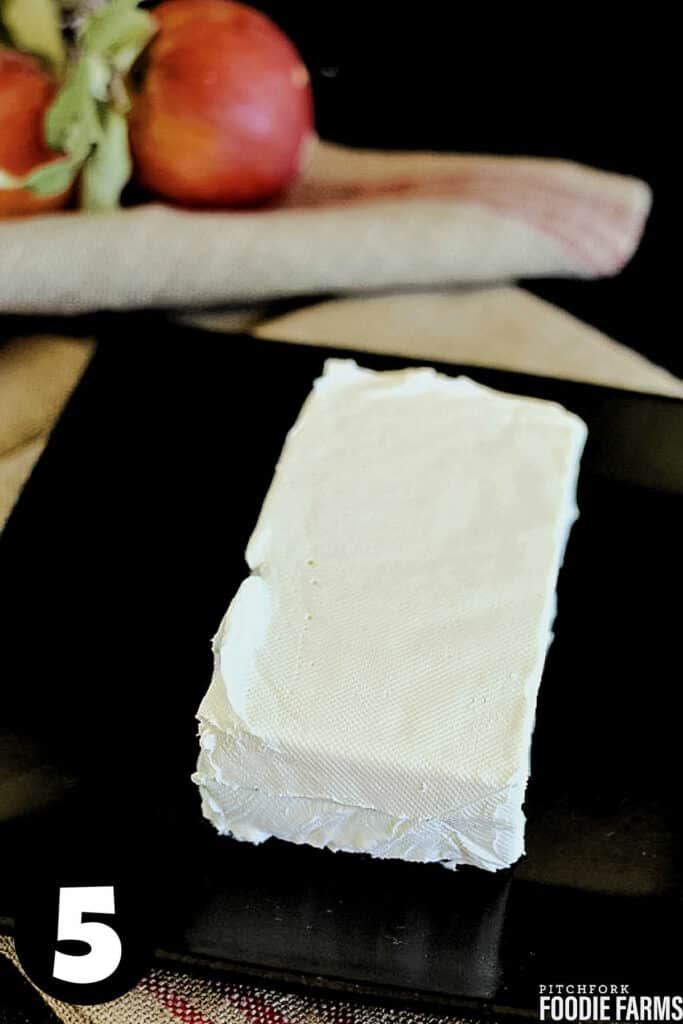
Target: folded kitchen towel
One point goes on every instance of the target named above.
(356, 220)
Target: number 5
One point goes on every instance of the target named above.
(105, 945)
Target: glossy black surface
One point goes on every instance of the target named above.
(116, 568)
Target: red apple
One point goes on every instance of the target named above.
(224, 109)
(26, 91)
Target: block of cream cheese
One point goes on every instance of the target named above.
(376, 674)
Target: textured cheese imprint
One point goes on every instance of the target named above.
(376, 675)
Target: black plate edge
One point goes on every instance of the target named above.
(636, 437)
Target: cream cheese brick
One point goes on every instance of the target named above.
(376, 674)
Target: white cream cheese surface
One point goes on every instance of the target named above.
(375, 676)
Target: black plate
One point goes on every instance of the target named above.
(116, 567)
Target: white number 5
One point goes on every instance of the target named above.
(105, 945)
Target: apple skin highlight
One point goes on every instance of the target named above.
(224, 109)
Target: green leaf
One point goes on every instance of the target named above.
(105, 25)
(109, 166)
(131, 43)
(53, 178)
(46, 180)
(99, 77)
(119, 32)
(72, 122)
(72, 127)
(34, 26)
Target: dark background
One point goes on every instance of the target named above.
(499, 79)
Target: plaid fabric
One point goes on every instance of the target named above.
(167, 997)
